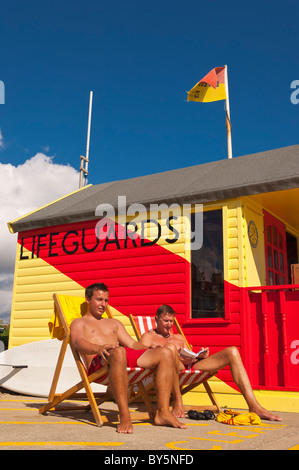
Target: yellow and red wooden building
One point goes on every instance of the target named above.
(236, 289)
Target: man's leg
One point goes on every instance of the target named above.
(231, 357)
(178, 407)
(118, 379)
(162, 359)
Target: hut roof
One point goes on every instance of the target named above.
(263, 172)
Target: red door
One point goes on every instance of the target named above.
(275, 250)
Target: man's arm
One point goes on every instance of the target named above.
(126, 340)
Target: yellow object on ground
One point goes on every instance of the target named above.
(235, 418)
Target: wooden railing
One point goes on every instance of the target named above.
(270, 322)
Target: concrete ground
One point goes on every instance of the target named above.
(22, 427)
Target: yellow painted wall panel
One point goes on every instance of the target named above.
(234, 275)
(233, 263)
(233, 232)
(30, 322)
(255, 259)
(233, 214)
(37, 314)
(233, 253)
(33, 332)
(232, 222)
(36, 288)
(178, 248)
(232, 242)
(32, 306)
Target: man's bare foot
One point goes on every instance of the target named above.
(265, 414)
(178, 410)
(125, 426)
(167, 419)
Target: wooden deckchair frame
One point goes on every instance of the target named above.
(94, 400)
(185, 389)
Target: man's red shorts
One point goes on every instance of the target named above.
(132, 358)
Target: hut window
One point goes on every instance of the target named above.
(207, 269)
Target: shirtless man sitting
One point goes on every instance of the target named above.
(102, 341)
(163, 336)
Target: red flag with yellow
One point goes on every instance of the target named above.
(209, 88)
(214, 87)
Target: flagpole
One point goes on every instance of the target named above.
(88, 135)
(228, 123)
(84, 166)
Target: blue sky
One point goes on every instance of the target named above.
(139, 59)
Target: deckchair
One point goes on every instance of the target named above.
(188, 379)
(66, 309)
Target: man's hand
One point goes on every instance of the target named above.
(204, 354)
(103, 350)
(188, 361)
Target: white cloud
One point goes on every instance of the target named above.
(24, 188)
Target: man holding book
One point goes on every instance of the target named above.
(162, 336)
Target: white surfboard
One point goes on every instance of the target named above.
(29, 369)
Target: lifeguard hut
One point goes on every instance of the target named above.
(238, 287)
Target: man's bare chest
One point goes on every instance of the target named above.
(162, 340)
(101, 332)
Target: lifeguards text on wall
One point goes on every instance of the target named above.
(87, 241)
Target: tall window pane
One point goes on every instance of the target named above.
(207, 269)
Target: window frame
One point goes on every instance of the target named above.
(208, 320)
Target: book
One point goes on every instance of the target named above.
(187, 353)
